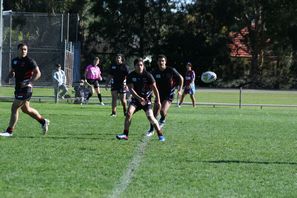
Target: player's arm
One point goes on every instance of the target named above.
(135, 95)
(133, 92)
(35, 76)
(180, 81)
(109, 77)
(11, 74)
(99, 74)
(156, 93)
(85, 73)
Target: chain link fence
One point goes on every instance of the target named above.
(50, 40)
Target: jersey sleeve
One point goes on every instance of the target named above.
(151, 78)
(33, 64)
(129, 78)
(126, 70)
(176, 75)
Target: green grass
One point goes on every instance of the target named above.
(202, 96)
(209, 152)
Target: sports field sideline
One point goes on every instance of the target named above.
(209, 152)
(204, 96)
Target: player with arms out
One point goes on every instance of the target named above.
(118, 73)
(141, 85)
(189, 85)
(167, 79)
(26, 71)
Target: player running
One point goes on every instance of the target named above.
(26, 71)
(167, 79)
(141, 85)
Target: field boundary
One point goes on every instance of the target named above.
(213, 104)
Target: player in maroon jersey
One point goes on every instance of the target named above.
(189, 85)
(141, 85)
(167, 79)
(25, 71)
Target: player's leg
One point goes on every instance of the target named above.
(123, 100)
(127, 123)
(192, 96)
(98, 92)
(14, 116)
(35, 114)
(156, 111)
(114, 96)
(182, 98)
(154, 122)
(163, 112)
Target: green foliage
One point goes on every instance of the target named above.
(197, 31)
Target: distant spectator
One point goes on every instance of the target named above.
(83, 92)
(59, 83)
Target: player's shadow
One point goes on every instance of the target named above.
(248, 162)
(84, 137)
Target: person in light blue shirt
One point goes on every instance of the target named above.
(59, 83)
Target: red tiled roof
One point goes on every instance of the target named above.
(238, 47)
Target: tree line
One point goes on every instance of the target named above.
(199, 31)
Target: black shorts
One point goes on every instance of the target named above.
(23, 93)
(93, 82)
(139, 106)
(169, 97)
(119, 87)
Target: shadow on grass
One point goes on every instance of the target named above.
(247, 162)
(85, 137)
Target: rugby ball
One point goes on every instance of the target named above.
(208, 77)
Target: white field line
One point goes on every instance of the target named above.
(132, 167)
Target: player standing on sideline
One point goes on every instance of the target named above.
(117, 78)
(93, 76)
(26, 71)
(141, 85)
(59, 82)
(167, 79)
(189, 85)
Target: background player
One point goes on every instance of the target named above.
(118, 73)
(189, 85)
(167, 79)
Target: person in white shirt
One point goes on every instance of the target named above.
(59, 83)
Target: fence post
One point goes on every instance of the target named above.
(240, 97)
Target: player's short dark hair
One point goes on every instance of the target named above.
(162, 56)
(122, 56)
(137, 60)
(58, 65)
(190, 64)
(20, 45)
